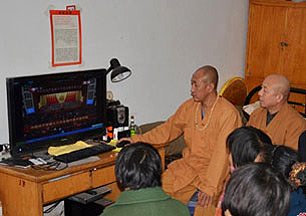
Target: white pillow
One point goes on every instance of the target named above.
(251, 107)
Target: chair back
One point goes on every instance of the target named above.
(235, 91)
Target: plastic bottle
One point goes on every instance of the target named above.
(110, 133)
(132, 126)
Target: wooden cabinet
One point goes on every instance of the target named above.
(276, 42)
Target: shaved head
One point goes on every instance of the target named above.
(204, 84)
(274, 92)
(209, 75)
(280, 84)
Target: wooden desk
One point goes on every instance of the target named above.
(23, 192)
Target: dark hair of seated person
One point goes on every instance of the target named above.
(138, 166)
(256, 189)
(246, 143)
(283, 158)
(302, 147)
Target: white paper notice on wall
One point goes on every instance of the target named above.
(66, 36)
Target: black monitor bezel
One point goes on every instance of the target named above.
(12, 120)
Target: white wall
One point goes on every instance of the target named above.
(162, 41)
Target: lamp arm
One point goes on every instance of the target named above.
(109, 70)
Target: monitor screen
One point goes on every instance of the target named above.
(55, 109)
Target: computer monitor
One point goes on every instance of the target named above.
(55, 109)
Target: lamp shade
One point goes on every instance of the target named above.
(119, 72)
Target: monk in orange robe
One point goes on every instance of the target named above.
(205, 120)
(275, 116)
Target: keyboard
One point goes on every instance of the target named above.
(84, 153)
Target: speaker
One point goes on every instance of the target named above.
(117, 116)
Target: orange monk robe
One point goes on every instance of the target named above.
(284, 129)
(205, 155)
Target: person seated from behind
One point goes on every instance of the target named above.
(283, 159)
(302, 147)
(246, 145)
(138, 172)
(275, 116)
(256, 189)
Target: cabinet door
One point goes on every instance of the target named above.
(295, 52)
(265, 33)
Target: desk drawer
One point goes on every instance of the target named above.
(65, 186)
(103, 176)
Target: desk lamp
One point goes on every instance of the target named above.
(118, 115)
(119, 72)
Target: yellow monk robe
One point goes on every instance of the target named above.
(205, 157)
(284, 129)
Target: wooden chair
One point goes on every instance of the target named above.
(235, 91)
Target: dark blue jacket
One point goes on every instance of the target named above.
(297, 203)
